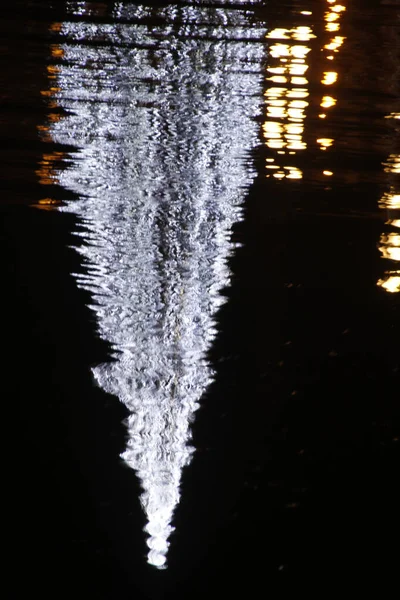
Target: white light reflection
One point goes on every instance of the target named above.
(163, 121)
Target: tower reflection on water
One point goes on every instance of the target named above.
(162, 119)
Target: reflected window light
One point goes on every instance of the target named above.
(303, 34)
(331, 16)
(278, 79)
(391, 284)
(390, 200)
(393, 164)
(279, 50)
(390, 246)
(327, 173)
(328, 102)
(335, 44)
(278, 34)
(298, 69)
(298, 93)
(300, 51)
(325, 142)
(322, 116)
(338, 8)
(329, 78)
(332, 27)
(294, 173)
(299, 80)
(276, 70)
(287, 103)
(306, 12)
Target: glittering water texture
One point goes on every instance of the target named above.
(161, 106)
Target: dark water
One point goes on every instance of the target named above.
(200, 229)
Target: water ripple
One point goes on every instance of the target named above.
(161, 108)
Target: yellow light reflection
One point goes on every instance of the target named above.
(325, 142)
(390, 200)
(331, 27)
(329, 78)
(286, 104)
(327, 173)
(328, 102)
(393, 164)
(335, 43)
(390, 246)
(329, 17)
(391, 284)
(47, 171)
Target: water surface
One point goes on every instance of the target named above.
(222, 181)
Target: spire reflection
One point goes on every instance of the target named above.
(162, 119)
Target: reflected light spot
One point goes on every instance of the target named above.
(325, 142)
(299, 81)
(303, 34)
(322, 116)
(327, 173)
(298, 69)
(56, 27)
(393, 164)
(279, 50)
(276, 70)
(335, 43)
(390, 246)
(390, 200)
(329, 78)
(300, 51)
(305, 12)
(277, 79)
(56, 51)
(331, 27)
(330, 17)
(299, 93)
(328, 102)
(278, 34)
(391, 284)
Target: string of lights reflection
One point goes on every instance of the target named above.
(162, 128)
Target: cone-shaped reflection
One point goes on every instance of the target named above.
(162, 117)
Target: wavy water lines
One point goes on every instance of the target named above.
(160, 107)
